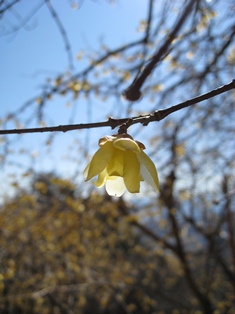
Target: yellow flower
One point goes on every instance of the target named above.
(121, 164)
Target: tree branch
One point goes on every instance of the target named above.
(23, 21)
(127, 122)
(63, 33)
(149, 19)
(8, 6)
(133, 91)
(62, 288)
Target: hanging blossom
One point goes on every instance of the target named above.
(120, 165)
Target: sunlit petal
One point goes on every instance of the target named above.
(126, 144)
(120, 165)
(100, 160)
(131, 172)
(101, 179)
(148, 170)
(115, 186)
(115, 165)
(107, 138)
(85, 172)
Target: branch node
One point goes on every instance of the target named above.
(123, 128)
(132, 94)
(157, 115)
(146, 121)
(112, 122)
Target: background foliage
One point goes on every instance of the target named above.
(66, 248)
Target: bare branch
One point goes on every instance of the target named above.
(8, 6)
(133, 91)
(61, 86)
(150, 13)
(63, 288)
(63, 33)
(125, 123)
(23, 21)
(219, 53)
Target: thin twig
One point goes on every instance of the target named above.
(149, 19)
(8, 6)
(62, 288)
(60, 87)
(113, 123)
(133, 91)
(25, 20)
(63, 34)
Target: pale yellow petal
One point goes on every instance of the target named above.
(115, 186)
(107, 138)
(124, 135)
(126, 144)
(100, 160)
(85, 172)
(131, 172)
(148, 170)
(115, 165)
(101, 179)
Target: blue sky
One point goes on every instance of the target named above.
(37, 48)
(36, 51)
